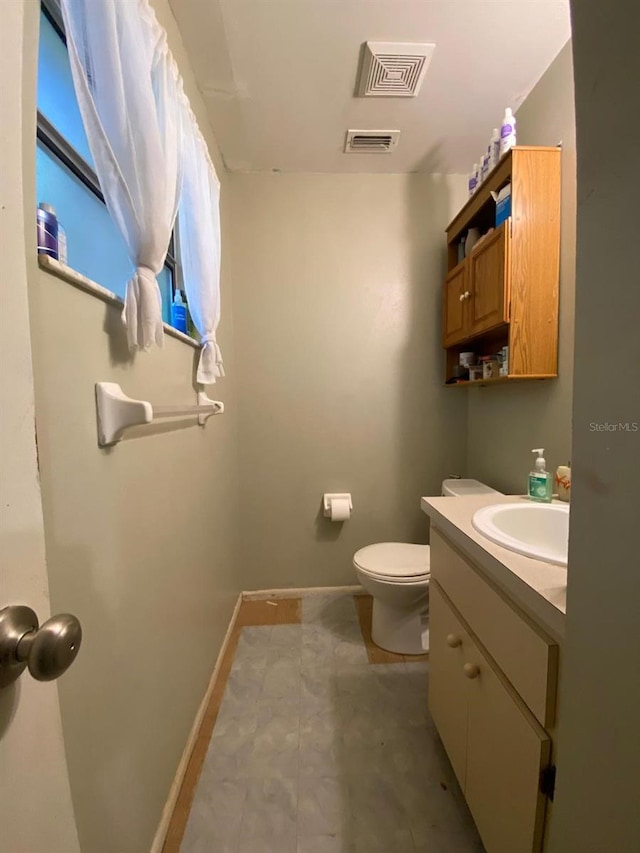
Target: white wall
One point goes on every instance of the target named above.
(505, 422)
(140, 538)
(337, 283)
(596, 806)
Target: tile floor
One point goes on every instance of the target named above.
(316, 750)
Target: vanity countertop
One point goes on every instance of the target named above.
(539, 588)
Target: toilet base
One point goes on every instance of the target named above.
(397, 630)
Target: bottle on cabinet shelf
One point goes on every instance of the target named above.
(484, 171)
(507, 132)
(473, 180)
(494, 148)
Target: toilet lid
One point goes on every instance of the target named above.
(394, 560)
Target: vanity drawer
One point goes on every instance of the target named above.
(526, 655)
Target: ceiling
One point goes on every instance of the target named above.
(278, 77)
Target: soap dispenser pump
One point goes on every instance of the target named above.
(540, 480)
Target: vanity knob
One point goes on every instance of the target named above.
(462, 297)
(467, 294)
(453, 641)
(471, 670)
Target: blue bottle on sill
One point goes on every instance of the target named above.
(47, 228)
(179, 313)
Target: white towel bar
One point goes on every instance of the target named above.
(116, 412)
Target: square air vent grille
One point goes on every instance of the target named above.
(371, 141)
(391, 70)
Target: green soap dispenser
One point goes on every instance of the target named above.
(540, 480)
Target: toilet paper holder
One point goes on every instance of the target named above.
(329, 497)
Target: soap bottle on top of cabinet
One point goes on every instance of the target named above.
(494, 148)
(507, 132)
(540, 485)
(484, 169)
(473, 180)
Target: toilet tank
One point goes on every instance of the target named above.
(458, 488)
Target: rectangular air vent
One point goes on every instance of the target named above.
(371, 141)
(393, 70)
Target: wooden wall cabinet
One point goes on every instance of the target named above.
(476, 296)
(505, 292)
(492, 728)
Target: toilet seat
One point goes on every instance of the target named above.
(394, 562)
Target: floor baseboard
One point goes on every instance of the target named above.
(174, 790)
(300, 592)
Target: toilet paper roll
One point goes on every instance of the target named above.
(340, 509)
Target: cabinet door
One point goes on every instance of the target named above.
(449, 647)
(489, 273)
(506, 751)
(455, 306)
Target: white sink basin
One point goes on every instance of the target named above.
(536, 530)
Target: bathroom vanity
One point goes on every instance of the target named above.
(496, 628)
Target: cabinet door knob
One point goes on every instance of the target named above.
(471, 670)
(461, 297)
(453, 641)
(467, 294)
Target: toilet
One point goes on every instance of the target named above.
(396, 575)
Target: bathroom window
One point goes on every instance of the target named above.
(65, 176)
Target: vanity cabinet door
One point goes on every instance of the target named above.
(496, 746)
(506, 752)
(449, 647)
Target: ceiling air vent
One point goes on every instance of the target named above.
(391, 70)
(371, 141)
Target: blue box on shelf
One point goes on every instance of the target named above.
(503, 205)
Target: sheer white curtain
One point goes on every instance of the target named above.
(131, 101)
(199, 232)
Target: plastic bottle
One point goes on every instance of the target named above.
(47, 230)
(484, 171)
(507, 132)
(179, 312)
(473, 180)
(540, 486)
(493, 149)
(62, 244)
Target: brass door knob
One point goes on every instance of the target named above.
(48, 650)
(471, 670)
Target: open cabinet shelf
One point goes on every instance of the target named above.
(505, 291)
(500, 380)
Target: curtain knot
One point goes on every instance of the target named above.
(142, 312)
(210, 367)
(145, 272)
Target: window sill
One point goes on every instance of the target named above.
(75, 278)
